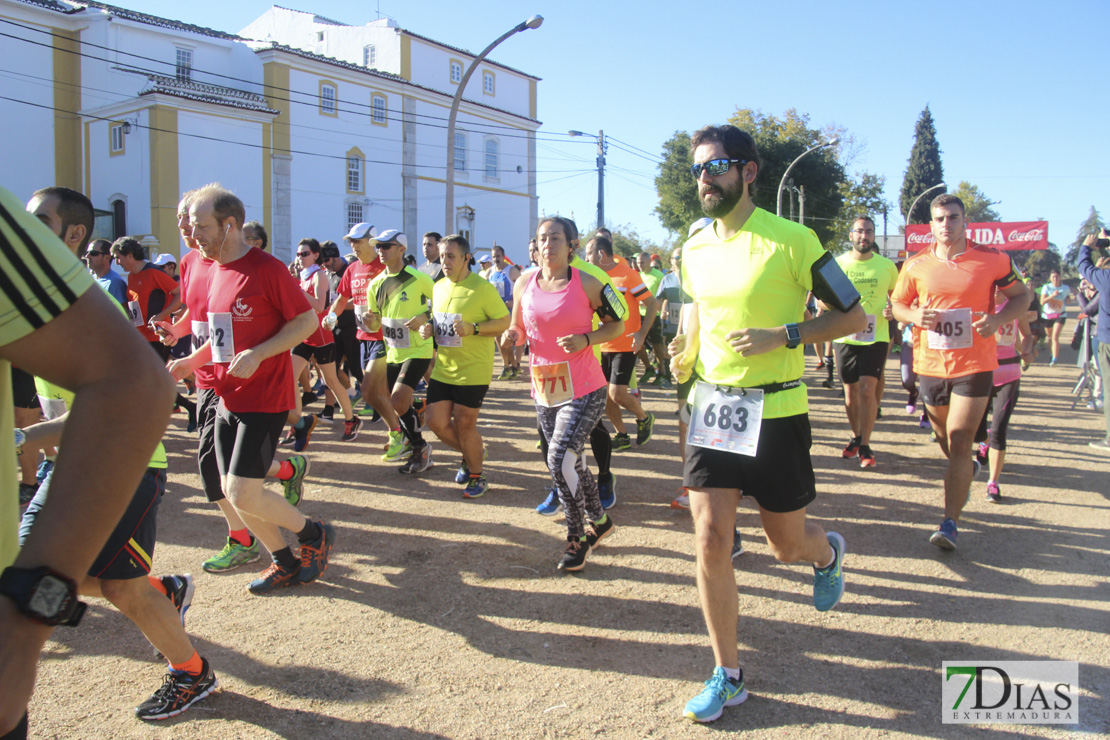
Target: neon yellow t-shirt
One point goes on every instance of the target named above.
(758, 278)
(398, 298)
(591, 269)
(475, 300)
(42, 279)
(874, 279)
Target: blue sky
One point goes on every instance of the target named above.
(1017, 89)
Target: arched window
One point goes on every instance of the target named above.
(119, 219)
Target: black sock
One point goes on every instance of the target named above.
(602, 446)
(409, 423)
(310, 532)
(286, 559)
(186, 404)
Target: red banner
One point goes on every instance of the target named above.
(1009, 235)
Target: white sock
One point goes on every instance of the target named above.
(733, 673)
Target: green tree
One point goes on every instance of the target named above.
(977, 206)
(861, 196)
(1040, 263)
(678, 191)
(1091, 225)
(923, 171)
(626, 242)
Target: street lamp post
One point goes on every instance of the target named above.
(919, 196)
(534, 22)
(600, 173)
(782, 182)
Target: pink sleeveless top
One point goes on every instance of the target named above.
(548, 316)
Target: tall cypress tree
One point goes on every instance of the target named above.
(924, 169)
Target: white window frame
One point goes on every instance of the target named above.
(117, 136)
(183, 64)
(355, 212)
(329, 106)
(460, 149)
(379, 115)
(489, 82)
(496, 164)
(369, 55)
(456, 65)
(355, 166)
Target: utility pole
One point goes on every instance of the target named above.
(601, 148)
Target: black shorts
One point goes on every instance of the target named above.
(618, 367)
(470, 396)
(654, 336)
(323, 355)
(1061, 319)
(130, 547)
(24, 393)
(938, 391)
(207, 404)
(855, 360)
(370, 350)
(411, 372)
(780, 476)
(246, 443)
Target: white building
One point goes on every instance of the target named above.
(314, 124)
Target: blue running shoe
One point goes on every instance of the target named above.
(608, 492)
(720, 692)
(945, 537)
(463, 476)
(550, 505)
(476, 487)
(828, 583)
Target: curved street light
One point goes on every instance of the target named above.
(534, 22)
(782, 182)
(909, 213)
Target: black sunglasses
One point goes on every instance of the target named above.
(90, 253)
(716, 167)
(303, 254)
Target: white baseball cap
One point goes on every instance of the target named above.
(165, 259)
(392, 235)
(362, 231)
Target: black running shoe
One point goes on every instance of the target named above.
(575, 556)
(595, 532)
(178, 692)
(643, 429)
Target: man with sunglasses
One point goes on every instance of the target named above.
(749, 425)
(861, 357)
(399, 303)
(99, 260)
(947, 292)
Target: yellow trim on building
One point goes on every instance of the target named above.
(493, 79)
(165, 188)
(276, 81)
(474, 187)
(88, 159)
(451, 62)
(267, 176)
(406, 57)
(66, 61)
(533, 109)
(385, 109)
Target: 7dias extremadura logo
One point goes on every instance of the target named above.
(1024, 692)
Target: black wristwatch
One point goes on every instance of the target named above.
(43, 595)
(793, 336)
(475, 330)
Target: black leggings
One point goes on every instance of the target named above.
(1003, 399)
(601, 444)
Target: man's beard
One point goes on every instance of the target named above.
(717, 202)
(863, 249)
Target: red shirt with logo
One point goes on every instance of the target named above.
(262, 297)
(151, 287)
(195, 272)
(353, 285)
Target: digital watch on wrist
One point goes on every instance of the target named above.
(793, 336)
(44, 595)
(475, 330)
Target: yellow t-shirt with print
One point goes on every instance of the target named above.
(874, 278)
(758, 278)
(475, 300)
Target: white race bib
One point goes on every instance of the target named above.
(952, 330)
(360, 317)
(868, 334)
(200, 333)
(395, 333)
(674, 311)
(726, 419)
(1006, 335)
(553, 384)
(222, 337)
(135, 313)
(444, 328)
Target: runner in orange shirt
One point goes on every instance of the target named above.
(618, 357)
(947, 293)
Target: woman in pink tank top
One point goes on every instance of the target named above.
(553, 307)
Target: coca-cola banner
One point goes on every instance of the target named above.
(1010, 235)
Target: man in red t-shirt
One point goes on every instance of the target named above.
(152, 294)
(352, 288)
(256, 314)
(947, 293)
(618, 358)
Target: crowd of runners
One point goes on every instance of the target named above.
(413, 348)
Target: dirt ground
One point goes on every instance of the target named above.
(445, 618)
